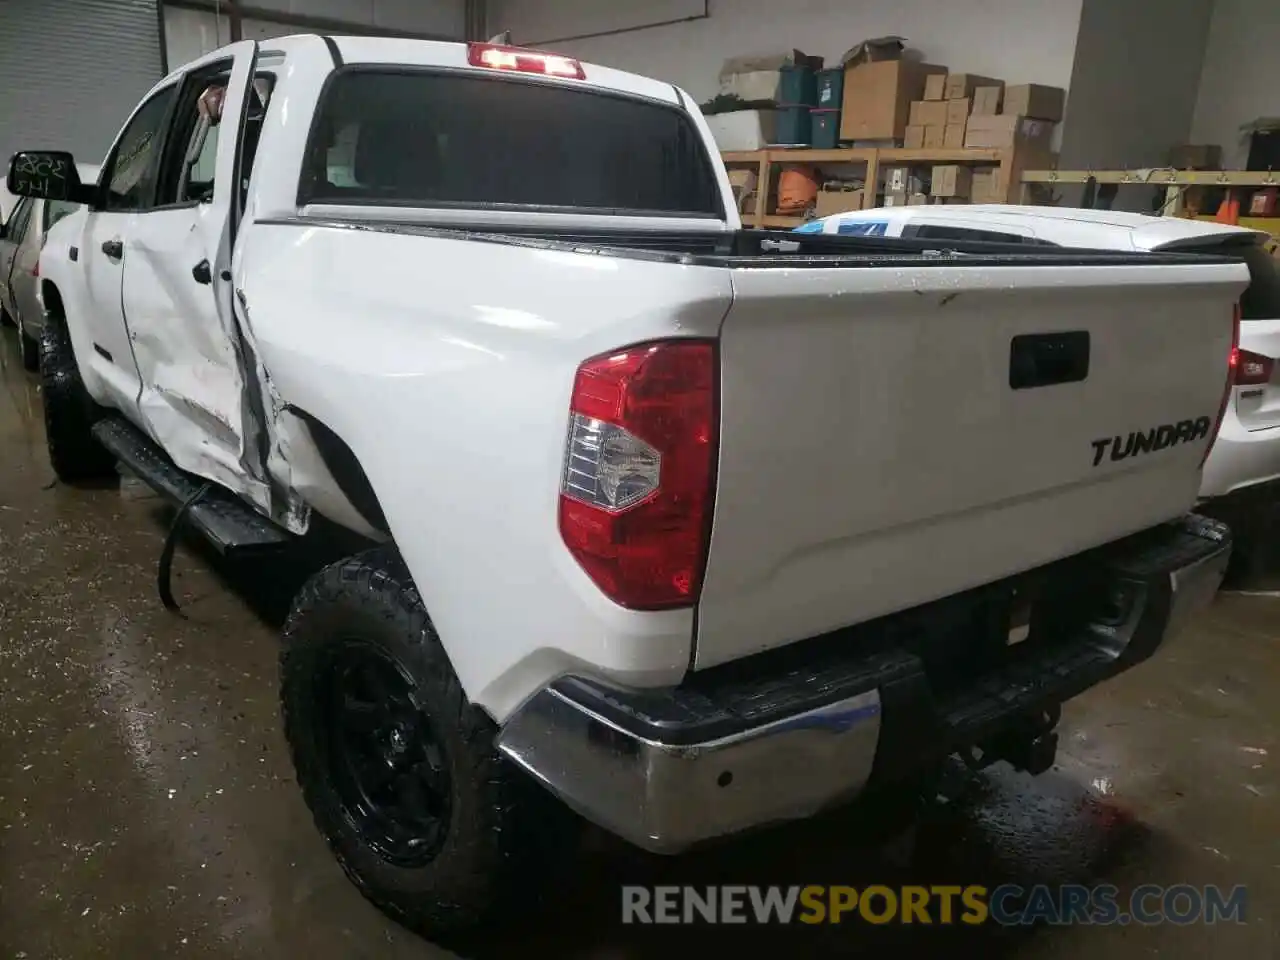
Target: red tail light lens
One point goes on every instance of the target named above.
(636, 494)
(1233, 368)
(497, 57)
(35, 271)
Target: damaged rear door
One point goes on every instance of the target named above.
(177, 277)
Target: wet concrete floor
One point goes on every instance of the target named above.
(147, 806)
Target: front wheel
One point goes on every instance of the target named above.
(400, 772)
(69, 411)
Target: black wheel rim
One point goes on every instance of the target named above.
(388, 767)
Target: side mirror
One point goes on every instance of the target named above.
(46, 175)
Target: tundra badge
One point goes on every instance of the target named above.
(1147, 441)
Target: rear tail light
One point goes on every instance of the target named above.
(498, 57)
(636, 493)
(1233, 369)
(35, 271)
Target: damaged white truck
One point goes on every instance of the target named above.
(693, 528)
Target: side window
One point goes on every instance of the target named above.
(191, 159)
(55, 210)
(131, 172)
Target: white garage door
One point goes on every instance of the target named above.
(71, 70)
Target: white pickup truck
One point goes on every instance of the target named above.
(698, 528)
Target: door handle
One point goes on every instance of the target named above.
(201, 272)
(113, 249)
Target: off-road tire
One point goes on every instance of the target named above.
(69, 411)
(5, 319)
(500, 822)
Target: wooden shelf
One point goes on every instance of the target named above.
(966, 155)
(1007, 159)
(862, 155)
(1159, 177)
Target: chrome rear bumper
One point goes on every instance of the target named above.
(781, 739)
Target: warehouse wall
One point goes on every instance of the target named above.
(1241, 77)
(1134, 81)
(1017, 40)
(189, 33)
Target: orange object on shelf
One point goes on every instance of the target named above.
(1229, 209)
(797, 188)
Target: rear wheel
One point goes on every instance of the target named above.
(399, 770)
(5, 319)
(28, 349)
(69, 411)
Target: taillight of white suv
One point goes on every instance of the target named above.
(638, 483)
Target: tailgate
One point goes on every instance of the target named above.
(874, 455)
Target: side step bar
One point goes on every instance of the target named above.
(232, 527)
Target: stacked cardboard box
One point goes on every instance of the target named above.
(878, 96)
(952, 181)
(984, 185)
(941, 119)
(1027, 115)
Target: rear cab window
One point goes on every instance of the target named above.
(55, 210)
(397, 137)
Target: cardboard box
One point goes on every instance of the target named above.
(963, 84)
(987, 100)
(917, 199)
(892, 199)
(1006, 130)
(895, 179)
(935, 137)
(1196, 156)
(935, 86)
(1034, 101)
(984, 185)
(877, 98)
(928, 113)
(914, 138)
(951, 180)
(837, 201)
(1263, 203)
(958, 110)
(953, 136)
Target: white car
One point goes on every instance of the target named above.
(694, 527)
(1245, 460)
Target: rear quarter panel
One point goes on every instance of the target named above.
(447, 366)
